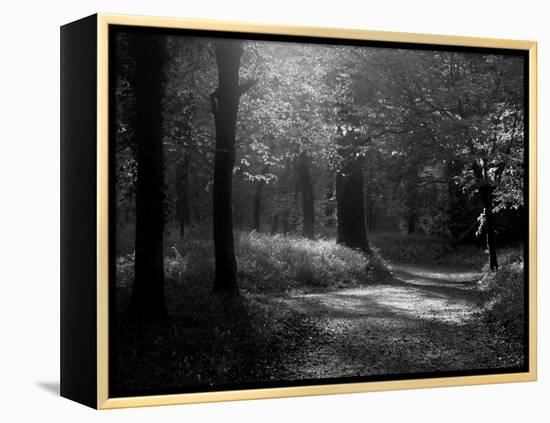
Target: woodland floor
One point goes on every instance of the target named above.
(421, 320)
(424, 320)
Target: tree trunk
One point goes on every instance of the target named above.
(182, 189)
(486, 193)
(286, 223)
(350, 207)
(275, 224)
(329, 203)
(306, 188)
(225, 104)
(148, 299)
(257, 206)
(371, 216)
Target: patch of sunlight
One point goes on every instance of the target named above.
(337, 326)
(434, 277)
(384, 301)
(416, 304)
(340, 302)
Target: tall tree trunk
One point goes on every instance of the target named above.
(329, 203)
(257, 206)
(306, 188)
(275, 224)
(486, 193)
(409, 190)
(148, 299)
(371, 216)
(350, 207)
(182, 189)
(285, 221)
(225, 105)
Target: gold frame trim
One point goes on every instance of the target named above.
(103, 22)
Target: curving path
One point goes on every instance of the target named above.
(421, 321)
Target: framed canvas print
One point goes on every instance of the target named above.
(255, 211)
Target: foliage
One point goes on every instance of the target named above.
(288, 263)
(425, 250)
(504, 293)
(269, 263)
(173, 267)
(125, 269)
(419, 121)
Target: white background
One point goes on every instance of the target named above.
(29, 209)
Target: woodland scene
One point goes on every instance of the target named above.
(295, 211)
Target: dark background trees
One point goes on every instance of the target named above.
(148, 294)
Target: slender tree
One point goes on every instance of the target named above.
(257, 205)
(485, 190)
(491, 127)
(148, 299)
(305, 185)
(350, 201)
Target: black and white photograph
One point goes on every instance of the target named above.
(291, 211)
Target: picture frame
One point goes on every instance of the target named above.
(87, 197)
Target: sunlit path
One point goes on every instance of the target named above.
(422, 320)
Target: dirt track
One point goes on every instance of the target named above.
(422, 321)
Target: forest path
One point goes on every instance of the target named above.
(422, 320)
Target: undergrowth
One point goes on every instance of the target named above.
(426, 250)
(207, 341)
(504, 294)
(210, 341)
(268, 263)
